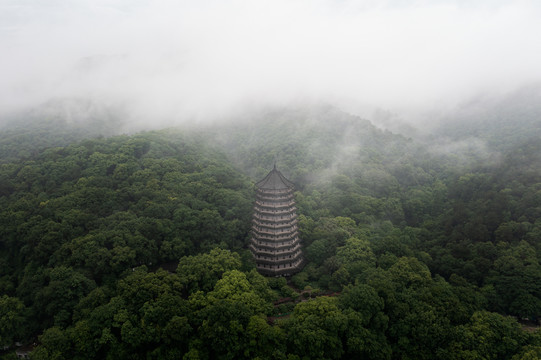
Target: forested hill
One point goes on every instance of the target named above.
(58, 122)
(429, 256)
(313, 145)
(501, 121)
(306, 141)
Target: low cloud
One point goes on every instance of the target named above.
(191, 60)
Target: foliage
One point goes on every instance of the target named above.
(135, 246)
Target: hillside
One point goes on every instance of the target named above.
(428, 252)
(58, 122)
(502, 121)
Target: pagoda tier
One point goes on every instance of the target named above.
(275, 242)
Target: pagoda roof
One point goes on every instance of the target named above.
(275, 181)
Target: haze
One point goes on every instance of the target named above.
(171, 60)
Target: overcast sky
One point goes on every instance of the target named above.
(180, 58)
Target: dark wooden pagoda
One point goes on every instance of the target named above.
(275, 241)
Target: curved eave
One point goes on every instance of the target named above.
(275, 180)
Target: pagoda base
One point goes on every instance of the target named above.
(274, 271)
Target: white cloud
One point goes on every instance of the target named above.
(201, 58)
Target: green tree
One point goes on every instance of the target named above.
(201, 272)
(64, 289)
(316, 329)
(12, 317)
(356, 255)
(491, 336)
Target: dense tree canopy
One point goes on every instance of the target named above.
(134, 246)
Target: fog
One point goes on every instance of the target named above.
(163, 61)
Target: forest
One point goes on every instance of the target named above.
(134, 246)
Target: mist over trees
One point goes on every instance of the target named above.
(132, 134)
(134, 246)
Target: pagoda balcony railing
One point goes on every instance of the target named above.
(282, 223)
(275, 217)
(271, 268)
(274, 210)
(273, 201)
(272, 198)
(274, 191)
(266, 251)
(270, 249)
(274, 245)
(277, 259)
(271, 242)
(274, 227)
(292, 264)
(280, 262)
(274, 204)
(276, 232)
(275, 238)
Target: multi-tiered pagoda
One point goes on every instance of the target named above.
(275, 241)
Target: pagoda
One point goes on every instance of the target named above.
(275, 241)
